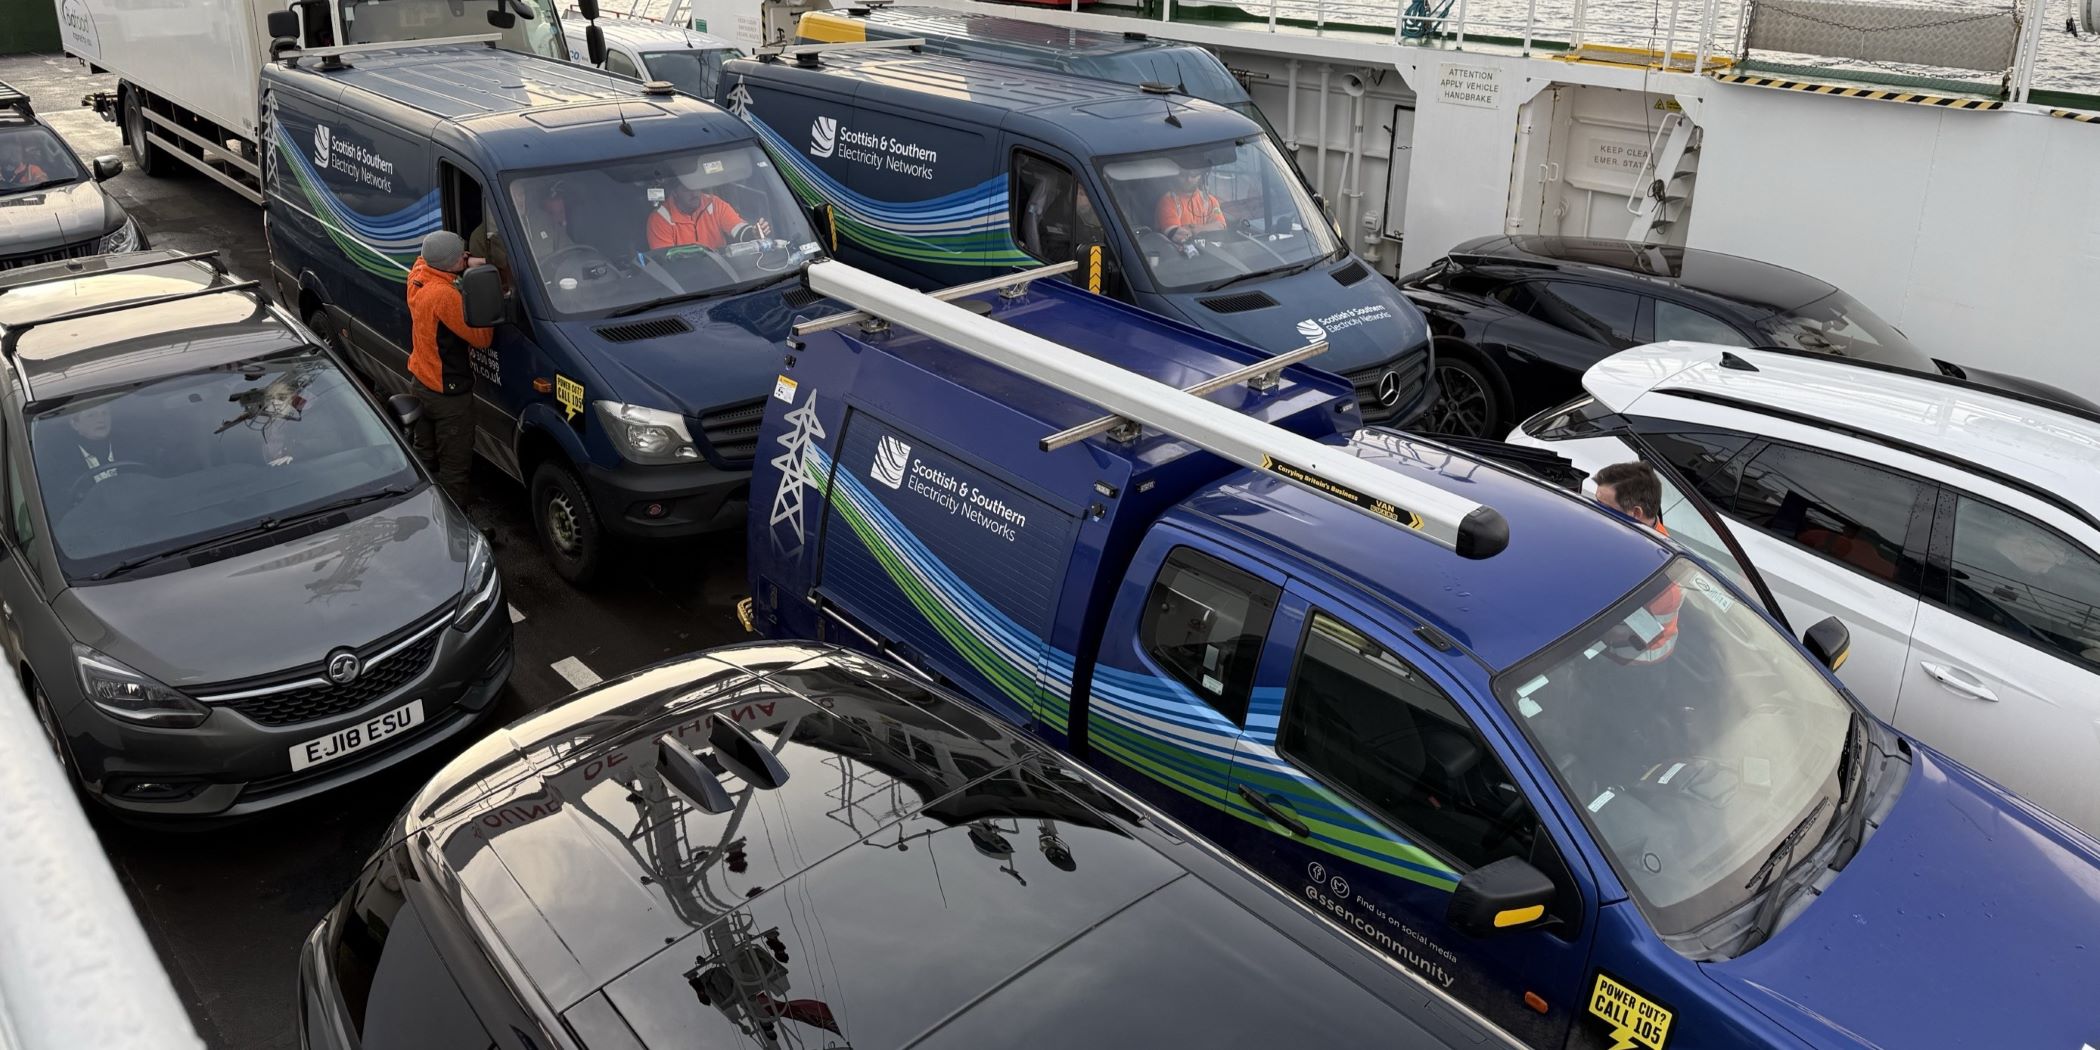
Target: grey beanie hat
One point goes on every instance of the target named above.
(444, 250)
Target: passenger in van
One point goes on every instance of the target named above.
(694, 216)
(543, 209)
(1188, 209)
(441, 344)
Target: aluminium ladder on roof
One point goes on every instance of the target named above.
(1471, 529)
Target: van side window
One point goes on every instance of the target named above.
(620, 65)
(1204, 623)
(465, 208)
(1052, 216)
(1368, 725)
(2026, 581)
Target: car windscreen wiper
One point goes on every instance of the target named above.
(651, 304)
(1768, 908)
(1850, 823)
(267, 525)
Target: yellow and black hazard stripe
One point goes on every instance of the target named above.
(1914, 98)
(2077, 115)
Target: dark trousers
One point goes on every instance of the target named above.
(447, 428)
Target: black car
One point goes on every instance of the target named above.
(787, 845)
(51, 207)
(1517, 320)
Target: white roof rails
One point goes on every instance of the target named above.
(798, 50)
(1473, 530)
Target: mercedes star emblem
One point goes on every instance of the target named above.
(1389, 389)
(343, 667)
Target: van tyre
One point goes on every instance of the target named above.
(148, 157)
(568, 526)
(1469, 401)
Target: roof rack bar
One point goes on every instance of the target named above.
(124, 267)
(1260, 375)
(1007, 284)
(387, 45)
(14, 334)
(912, 42)
(1470, 529)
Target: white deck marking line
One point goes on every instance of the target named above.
(574, 670)
(515, 615)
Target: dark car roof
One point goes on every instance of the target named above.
(1760, 286)
(510, 102)
(923, 876)
(118, 344)
(1100, 116)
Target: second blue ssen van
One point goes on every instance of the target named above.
(1579, 775)
(942, 171)
(623, 386)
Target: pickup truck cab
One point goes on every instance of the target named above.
(623, 387)
(1563, 766)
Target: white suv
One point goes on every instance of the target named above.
(1951, 528)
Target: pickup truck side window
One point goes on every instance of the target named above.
(1852, 513)
(1363, 721)
(1205, 623)
(2026, 581)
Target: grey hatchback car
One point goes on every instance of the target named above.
(224, 580)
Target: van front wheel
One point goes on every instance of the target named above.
(568, 527)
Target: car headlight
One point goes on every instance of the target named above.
(481, 584)
(123, 239)
(647, 435)
(134, 697)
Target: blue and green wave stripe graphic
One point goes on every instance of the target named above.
(385, 245)
(1148, 724)
(965, 228)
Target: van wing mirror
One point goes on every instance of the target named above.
(1093, 267)
(501, 19)
(407, 409)
(282, 25)
(481, 296)
(588, 9)
(1508, 894)
(826, 222)
(594, 43)
(1829, 641)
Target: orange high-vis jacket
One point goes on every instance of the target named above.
(708, 226)
(1195, 208)
(441, 339)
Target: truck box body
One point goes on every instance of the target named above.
(943, 170)
(988, 575)
(200, 54)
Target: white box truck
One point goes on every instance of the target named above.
(187, 69)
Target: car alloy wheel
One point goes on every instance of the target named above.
(1466, 407)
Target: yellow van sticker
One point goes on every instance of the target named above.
(784, 389)
(1635, 1019)
(569, 394)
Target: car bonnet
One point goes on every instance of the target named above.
(1968, 919)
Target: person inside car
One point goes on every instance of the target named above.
(17, 171)
(543, 209)
(694, 216)
(1650, 634)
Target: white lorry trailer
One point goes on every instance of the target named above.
(187, 69)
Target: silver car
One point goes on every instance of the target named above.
(225, 581)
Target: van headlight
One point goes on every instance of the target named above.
(120, 691)
(481, 585)
(123, 239)
(647, 435)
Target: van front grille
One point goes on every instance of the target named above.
(733, 432)
(1380, 401)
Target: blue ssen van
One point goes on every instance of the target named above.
(942, 171)
(1703, 843)
(624, 387)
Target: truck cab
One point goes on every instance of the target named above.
(1565, 767)
(623, 384)
(944, 170)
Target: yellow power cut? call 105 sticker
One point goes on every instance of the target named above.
(1636, 1020)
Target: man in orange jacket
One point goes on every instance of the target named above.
(440, 359)
(694, 216)
(1189, 209)
(1635, 490)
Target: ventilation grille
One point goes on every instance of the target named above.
(1238, 302)
(799, 297)
(640, 330)
(71, 251)
(733, 432)
(1350, 274)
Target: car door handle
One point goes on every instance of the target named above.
(1959, 681)
(1275, 812)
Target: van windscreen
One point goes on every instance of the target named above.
(1208, 216)
(622, 236)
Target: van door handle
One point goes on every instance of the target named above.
(1959, 681)
(1275, 812)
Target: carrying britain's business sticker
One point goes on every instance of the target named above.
(568, 393)
(1337, 490)
(1635, 1019)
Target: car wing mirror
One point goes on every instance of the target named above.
(481, 296)
(1508, 894)
(407, 409)
(1829, 641)
(107, 167)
